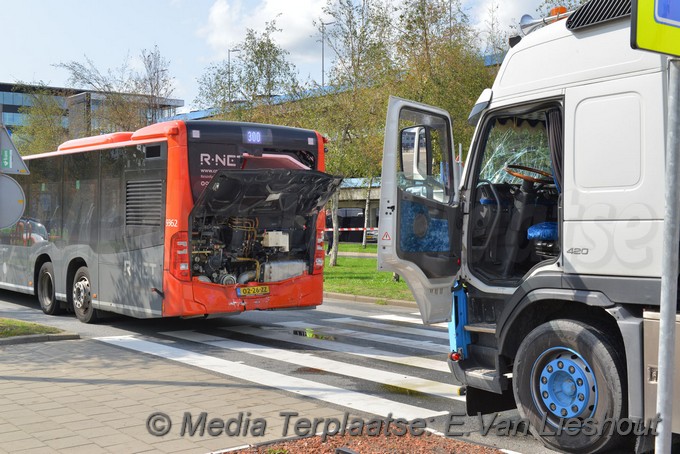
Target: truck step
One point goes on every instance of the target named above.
(487, 328)
(487, 379)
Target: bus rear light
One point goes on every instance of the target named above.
(319, 253)
(179, 256)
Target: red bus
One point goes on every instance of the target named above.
(181, 218)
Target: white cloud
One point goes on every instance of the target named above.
(508, 13)
(225, 27)
(228, 20)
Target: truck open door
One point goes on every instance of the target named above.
(419, 233)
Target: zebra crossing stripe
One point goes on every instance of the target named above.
(422, 385)
(401, 318)
(341, 347)
(338, 396)
(419, 344)
(386, 327)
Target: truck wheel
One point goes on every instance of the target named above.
(45, 290)
(567, 379)
(81, 298)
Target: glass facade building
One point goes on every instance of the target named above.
(13, 97)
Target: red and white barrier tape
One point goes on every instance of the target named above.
(352, 229)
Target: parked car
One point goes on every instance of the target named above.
(372, 236)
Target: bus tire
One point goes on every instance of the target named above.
(81, 296)
(45, 290)
(566, 370)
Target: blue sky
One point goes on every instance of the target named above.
(190, 33)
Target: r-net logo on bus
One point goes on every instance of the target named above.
(224, 160)
(205, 159)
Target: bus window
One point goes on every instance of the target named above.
(45, 195)
(81, 181)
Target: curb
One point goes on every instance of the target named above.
(368, 255)
(369, 299)
(31, 338)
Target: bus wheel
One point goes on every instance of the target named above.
(568, 379)
(82, 298)
(45, 290)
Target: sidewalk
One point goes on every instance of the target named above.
(89, 397)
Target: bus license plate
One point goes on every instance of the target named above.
(253, 291)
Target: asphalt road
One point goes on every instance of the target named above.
(351, 346)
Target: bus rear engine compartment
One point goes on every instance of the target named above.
(235, 251)
(257, 225)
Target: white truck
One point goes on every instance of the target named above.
(546, 255)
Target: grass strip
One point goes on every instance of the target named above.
(360, 276)
(10, 328)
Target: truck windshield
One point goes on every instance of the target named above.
(515, 141)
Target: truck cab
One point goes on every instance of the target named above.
(545, 256)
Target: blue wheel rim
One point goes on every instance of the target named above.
(563, 385)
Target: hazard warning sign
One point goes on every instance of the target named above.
(386, 237)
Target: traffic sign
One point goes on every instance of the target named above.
(12, 201)
(656, 26)
(10, 160)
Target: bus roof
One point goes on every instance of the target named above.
(157, 130)
(95, 140)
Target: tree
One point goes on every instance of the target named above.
(362, 76)
(155, 83)
(362, 39)
(214, 88)
(257, 77)
(130, 99)
(265, 71)
(43, 129)
(443, 65)
(496, 36)
(119, 109)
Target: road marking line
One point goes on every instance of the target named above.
(401, 318)
(341, 347)
(386, 327)
(428, 346)
(338, 396)
(439, 389)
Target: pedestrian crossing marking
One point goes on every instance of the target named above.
(341, 347)
(401, 318)
(386, 327)
(391, 340)
(444, 390)
(338, 396)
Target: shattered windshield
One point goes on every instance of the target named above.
(515, 141)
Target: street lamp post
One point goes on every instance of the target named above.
(229, 51)
(323, 41)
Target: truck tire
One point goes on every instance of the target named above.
(564, 371)
(81, 296)
(44, 290)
